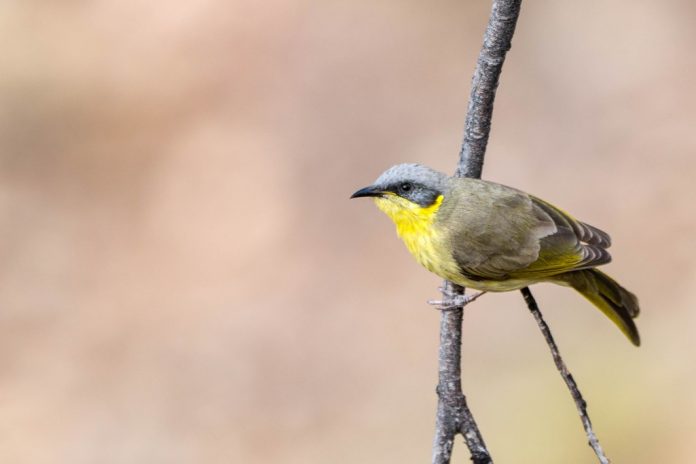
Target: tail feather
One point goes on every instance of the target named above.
(617, 303)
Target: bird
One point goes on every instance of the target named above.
(493, 238)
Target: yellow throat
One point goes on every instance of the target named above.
(414, 224)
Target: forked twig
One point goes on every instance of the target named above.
(453, 414)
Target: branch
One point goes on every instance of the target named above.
(496, 42)
(580, 403)
(453, 414)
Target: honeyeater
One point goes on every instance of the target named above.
(493, 238)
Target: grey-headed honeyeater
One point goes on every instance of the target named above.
(494, 238)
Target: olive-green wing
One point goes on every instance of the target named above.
(574, 246)
(505, 233)
(584, 232)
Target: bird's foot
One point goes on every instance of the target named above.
(453, 300)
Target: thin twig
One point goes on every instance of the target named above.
(453, 414)
(580, 403)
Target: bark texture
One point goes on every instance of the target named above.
(453, 414)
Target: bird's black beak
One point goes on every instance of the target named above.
(371, 191)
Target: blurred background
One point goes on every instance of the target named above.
(184, 280)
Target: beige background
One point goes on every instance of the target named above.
(183, 278)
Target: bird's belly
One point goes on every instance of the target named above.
(492, 285)
(430, 251)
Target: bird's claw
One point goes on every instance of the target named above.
(453, 300)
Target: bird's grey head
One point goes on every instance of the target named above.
(414, 182)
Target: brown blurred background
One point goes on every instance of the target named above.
(183, 278)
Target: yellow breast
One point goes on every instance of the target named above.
(415, 226)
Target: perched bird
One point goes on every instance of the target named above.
(494, 238)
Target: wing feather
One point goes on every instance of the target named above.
(540, 240)
(574, 246)
(584, 232)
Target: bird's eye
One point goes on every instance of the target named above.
(406, 187)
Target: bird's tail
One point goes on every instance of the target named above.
(620, 305)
